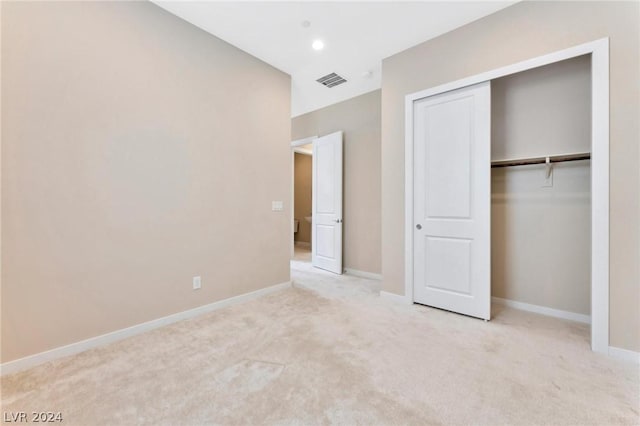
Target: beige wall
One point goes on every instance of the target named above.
(522, 31)
(138, 152)
(359, 118)
(543, 111)
(302, 196)
(541, 236)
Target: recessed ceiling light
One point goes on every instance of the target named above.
(306, 24)
(318, 45)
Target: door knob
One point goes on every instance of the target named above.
(338, 220)
(418, 226)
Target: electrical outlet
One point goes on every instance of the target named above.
(197, 283)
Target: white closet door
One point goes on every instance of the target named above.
(326, 221)
(452, 190)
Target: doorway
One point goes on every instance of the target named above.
(302, 201)
(326, 183)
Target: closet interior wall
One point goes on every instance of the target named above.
(541, 231)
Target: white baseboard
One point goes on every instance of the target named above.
(302, 244)
(543, 310)
(363, 274)
(93, 342)
(624, 354)
(395, 298)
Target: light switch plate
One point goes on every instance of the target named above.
(276, 206)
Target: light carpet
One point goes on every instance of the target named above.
(330, 351)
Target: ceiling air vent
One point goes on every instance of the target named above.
(331, 80)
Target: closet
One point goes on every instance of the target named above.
(541, 212)
(535, 236)
(500, 203)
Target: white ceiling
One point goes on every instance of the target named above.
(357, 36)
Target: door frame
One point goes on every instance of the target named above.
(599, 50)
(295, 149)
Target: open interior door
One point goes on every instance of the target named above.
(326, 219)
(452, 196)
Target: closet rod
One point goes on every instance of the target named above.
(542, 160)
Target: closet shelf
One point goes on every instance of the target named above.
(542, 160)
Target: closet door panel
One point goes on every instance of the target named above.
(452, 201)
(448, 183)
